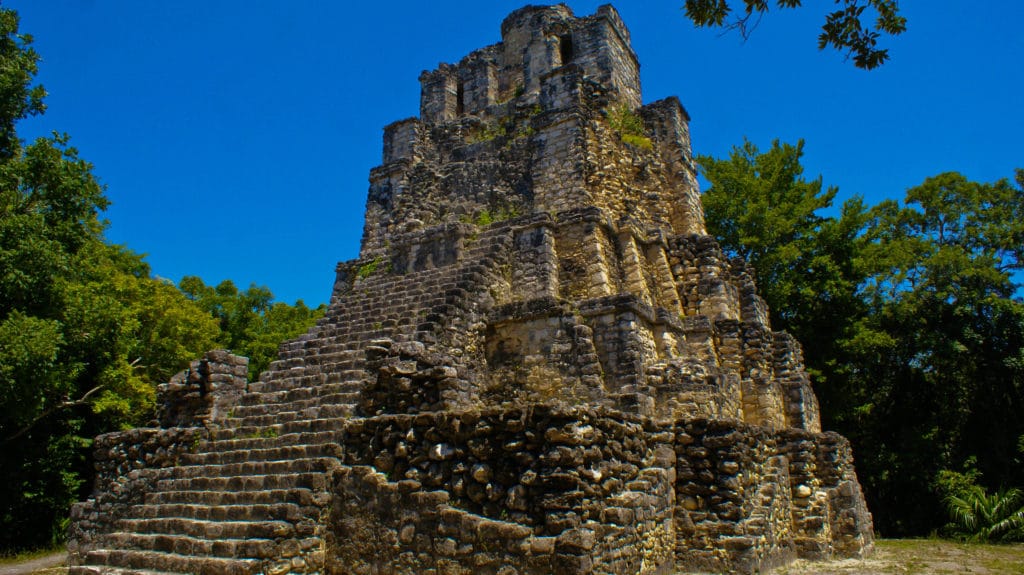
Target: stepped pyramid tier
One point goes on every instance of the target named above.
(540, 363)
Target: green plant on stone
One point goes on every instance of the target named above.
(629, 126)
(506, 128)
(491, 130)
(638, 141)
(526, 132)
(484, 218)
(519, 91)
(487, 217)
(265, 433)
(371, 267)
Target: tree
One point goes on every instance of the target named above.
(910, 313)
(844, 28)
(18, 98)
(761, 208)
(85, 332)
(940, 353)
(251, 323)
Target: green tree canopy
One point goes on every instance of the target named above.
(251, 323)
(910, 313)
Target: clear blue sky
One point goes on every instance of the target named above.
(235, 137)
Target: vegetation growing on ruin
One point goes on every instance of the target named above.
(371, 267)
(506, 127)
(629, 126)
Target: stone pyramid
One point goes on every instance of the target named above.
(540, 363)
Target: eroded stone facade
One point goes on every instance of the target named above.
(540, 363)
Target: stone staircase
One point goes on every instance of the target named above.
(251, 492)
(238, 504)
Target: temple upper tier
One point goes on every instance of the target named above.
(547, 120)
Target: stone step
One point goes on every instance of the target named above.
(270, 453)
(226, 439)
(169, 562)
(257, 467)
(226, 548)
(219, 512)
(256, 403)
(273, 431)
(298, 378)
(314, 364)
(107, 570)
(185, 545)
(241, 416)
(303, 496)
(204, 529)
(335, 357)
(309, 480)
(308, 410)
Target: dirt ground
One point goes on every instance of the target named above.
(52, 564)
(921, 556)
(891, 557)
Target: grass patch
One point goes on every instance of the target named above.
(265, 433)
(23, 556)
(638, 141)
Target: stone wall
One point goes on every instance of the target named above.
(544, 490)
(206, 391)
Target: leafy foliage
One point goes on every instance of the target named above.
(982, 517)
(845, 28)
(18, 98)
(251, 323)
(761, 208)
(910, 313)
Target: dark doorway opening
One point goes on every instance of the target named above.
(565, 48)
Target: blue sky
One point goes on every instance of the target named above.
(235, 137)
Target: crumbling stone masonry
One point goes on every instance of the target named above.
(540, 363)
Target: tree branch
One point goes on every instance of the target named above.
(62, 405)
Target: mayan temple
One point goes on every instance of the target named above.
(540, 363)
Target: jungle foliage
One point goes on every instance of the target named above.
(910, 313)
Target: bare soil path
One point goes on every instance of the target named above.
(51, 564)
